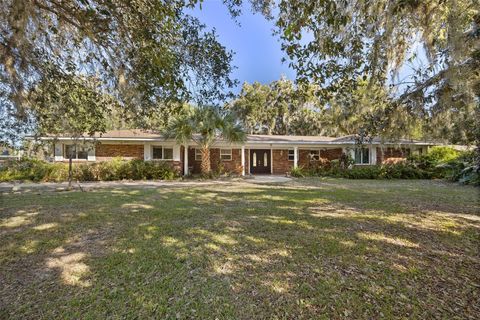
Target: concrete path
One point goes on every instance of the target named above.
(270, 179)
(24, 187)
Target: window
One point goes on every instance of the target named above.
(417, 152)
(291, 155)
(362, 156)
(168, 153)
(226, 154)
(82, 154)
(254, 159)
(162, 153)
(198, 155)
(314, 155)
(157, 153)
(70, 151)
(76, 153)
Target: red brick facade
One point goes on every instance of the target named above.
(280, 163)
(399, 153)
(126, 151)
(331, 154)
(231, 166)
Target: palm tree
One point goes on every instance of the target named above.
(204, 125)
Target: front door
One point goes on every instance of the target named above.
(260, 161)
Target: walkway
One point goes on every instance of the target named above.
(62, 186)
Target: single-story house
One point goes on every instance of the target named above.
(259, 154)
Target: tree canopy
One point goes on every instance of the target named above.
(334, 42)
(204, 125)
(145, 53)
(280, 107)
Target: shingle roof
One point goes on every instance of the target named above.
(134, 133)
(264, 138)
(138, 134)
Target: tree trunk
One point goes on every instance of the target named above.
(205, 166)
(70, 171)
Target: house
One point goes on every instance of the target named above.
(259, 154)
(8, 152)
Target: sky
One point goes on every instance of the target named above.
(257, 52)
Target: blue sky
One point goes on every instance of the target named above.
(257, 52)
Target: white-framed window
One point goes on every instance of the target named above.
(162, 153)
(314, 155)
(291, 154)
(76, 152)
(198, 154)
(362, 156)
(226, 154)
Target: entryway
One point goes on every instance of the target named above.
(260, 161)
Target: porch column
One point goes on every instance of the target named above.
(185, 161)
(295, 157)
(243, 160)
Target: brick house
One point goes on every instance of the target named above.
(259, 154)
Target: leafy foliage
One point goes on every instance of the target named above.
(204, 125)
(117, 169)
(438, 163)
(278, 108)
(434, 43)
(145, 53)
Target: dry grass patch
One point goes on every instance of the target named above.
(311, 248)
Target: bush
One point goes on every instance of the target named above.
(439, 163)
(117, 169)
(393, 171)
(299, 172)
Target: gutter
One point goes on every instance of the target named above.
(270, 142)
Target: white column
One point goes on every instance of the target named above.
(373, 154)
(243, 160)
(147, 151)
(58, 152)
(295, 157)
(91, 153)
(185, 160)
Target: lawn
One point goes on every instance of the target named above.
(310, 248)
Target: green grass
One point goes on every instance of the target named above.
(312, 248)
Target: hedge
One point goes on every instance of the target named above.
(438, 163)
(116, 169)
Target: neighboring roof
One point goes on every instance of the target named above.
(146, 135)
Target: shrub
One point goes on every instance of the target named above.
(117, 169)
(439, 163)
(393, 171)
(298, 172)
(442, 154)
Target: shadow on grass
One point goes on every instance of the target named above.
(250, 252)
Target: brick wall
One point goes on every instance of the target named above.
(232, 166)
(304, 156)
(281, 164)
(391, 153)
(126, 151)
(331, 154)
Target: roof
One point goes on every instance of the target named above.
(135, 133)
(150, 135)
(265, 138)
(377, 140)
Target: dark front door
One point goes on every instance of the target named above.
(260, 161)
